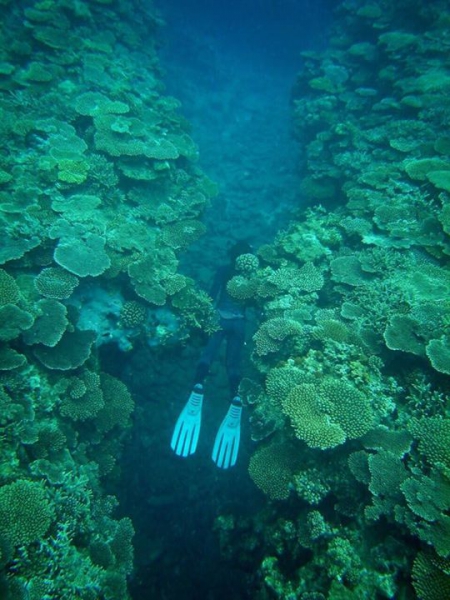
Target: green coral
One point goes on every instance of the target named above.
(83, 257)
(433, 435)
(25, 512)
(325, 416)
(271, 469)
(83, 397)
(56, 283)
(242, 288)
(9, 290)
(13, 321)
(401, 334)
(430, 576)
(182, 234)
(270, 336)
(49, 325)
(93, 104)
(281, 380)
(72, 351)
(438, 351)
(118, 405)
(309, 422)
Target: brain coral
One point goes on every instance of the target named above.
(25, 512)
(247, 263)
(132, 314)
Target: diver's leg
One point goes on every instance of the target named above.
(226, 444)
(235, 344)
(208, 355)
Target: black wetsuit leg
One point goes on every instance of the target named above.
(209, 354)
(235, 334)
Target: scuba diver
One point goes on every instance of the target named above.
(232, 329)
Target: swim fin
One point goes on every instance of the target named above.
(187, 428)
(226, 445)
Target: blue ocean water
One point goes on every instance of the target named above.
(232, 66)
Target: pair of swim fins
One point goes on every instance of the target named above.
(187, 430)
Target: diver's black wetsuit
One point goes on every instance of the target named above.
(232, 328)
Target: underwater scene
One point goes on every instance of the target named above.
(224, 300)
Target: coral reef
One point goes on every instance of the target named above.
(352, 352)
(99, 193)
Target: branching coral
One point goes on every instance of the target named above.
(118, 405)
(271, 468)
(25, 512)
(325, 416)
(271, 335)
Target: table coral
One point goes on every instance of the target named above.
(83, 257)
(9, 290)
(49, 325)
(72, 351)
(57, 283)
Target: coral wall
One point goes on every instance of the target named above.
(99, 193)
(351, 405)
